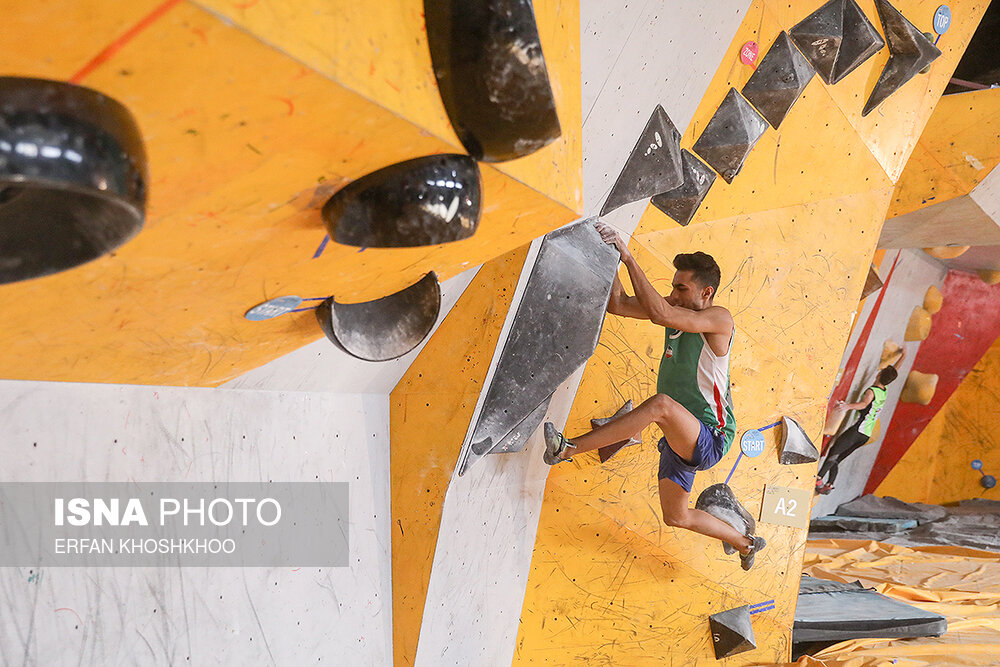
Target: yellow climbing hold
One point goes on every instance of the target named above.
(919, 326)
(891, 351)
(946, 251)
(919, 388)
(989, 277)
(933, 300)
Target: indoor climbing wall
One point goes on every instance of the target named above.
(949, 195)
(880, 322)
(274, 127)
(438, 395)
(937, 467)
(957, 149)
(793, 216)
(961, 333)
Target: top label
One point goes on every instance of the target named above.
(942, 19)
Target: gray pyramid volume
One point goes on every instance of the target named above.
(654, 165)
(732, 632)
(682, 203)
(730, 135)
(796, 447)
(608, 451)
(779, 79)
(909, 52)
(836, 39)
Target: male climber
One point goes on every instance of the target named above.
(860, 432)
(692, 405)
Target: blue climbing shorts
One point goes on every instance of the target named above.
(707, 452)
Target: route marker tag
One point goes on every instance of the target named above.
(785, 507)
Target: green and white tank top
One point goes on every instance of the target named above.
(868, 415)
(697, 378)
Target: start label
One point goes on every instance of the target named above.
(752, 443)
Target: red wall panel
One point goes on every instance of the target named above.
(961, 333)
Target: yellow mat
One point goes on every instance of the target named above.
(959, 583)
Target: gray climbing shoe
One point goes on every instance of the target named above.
(555, 445)
(746, 561)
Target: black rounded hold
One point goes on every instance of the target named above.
(424, 201)
(491, 74)
(73, 177)
(988, 481)
(385, 328)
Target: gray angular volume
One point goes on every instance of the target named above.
(796, 447)
(836, 39)
(732, 632)
(385, 328)
(555, 330)
(909, 52)
(730, 136)
(682, 203)
(608, 451)
(73, 177)
(653, 166)
(779, 79)
(720, 501)
(518, 437)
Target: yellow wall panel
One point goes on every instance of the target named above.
(80, 29)
(437, 396)
(959, 146)
(924, 182)
(244, 145)
(892, 129)
(792, 324)
(935, 469)
(380, 50)
(614, 598)
(815, 154)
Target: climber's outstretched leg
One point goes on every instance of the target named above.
(688, 445)
(660, 409)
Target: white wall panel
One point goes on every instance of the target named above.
(484, 549)
(157, 616)
(636, 55)
(915, 272)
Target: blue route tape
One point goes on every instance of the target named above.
(322, 246)
(740, 457)
(757, 611)
(762, 604)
